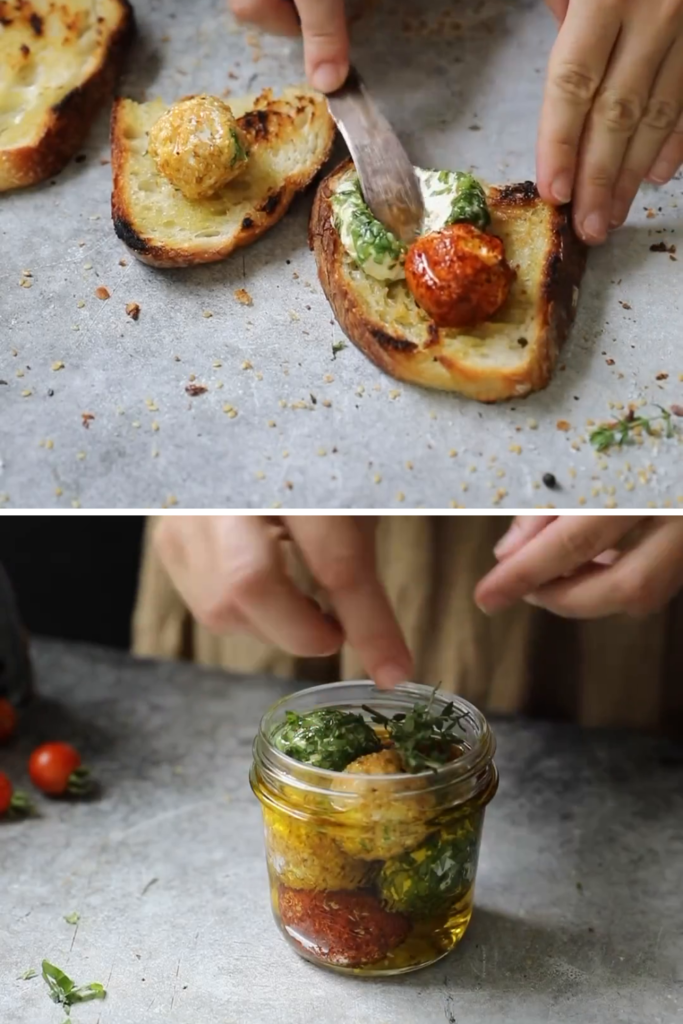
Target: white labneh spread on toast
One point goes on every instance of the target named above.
(447, 196)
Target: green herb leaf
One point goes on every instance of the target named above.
(73, 918)
(337, 346)
(87, 992)
(327, 738)
(64, 991)
(240, 153)
(27, 975)
(60, 984)
(423, 738)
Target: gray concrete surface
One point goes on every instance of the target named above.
(377, 443)
(578, 916)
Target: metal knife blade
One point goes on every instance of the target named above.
(387, 177)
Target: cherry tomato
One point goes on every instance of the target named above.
(8, 720)
(459, 275)
(55, 768)
(11, 802)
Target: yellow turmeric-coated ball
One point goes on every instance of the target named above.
(380, 820)
(305, 857)
(197, 145)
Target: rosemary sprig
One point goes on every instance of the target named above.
(423, 738)
(619, 432)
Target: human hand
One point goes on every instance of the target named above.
(230, 570)
(587, 567)
(322, 24)
(613, 108)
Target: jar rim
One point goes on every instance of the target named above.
(480, 740)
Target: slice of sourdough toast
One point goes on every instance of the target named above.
(289, 139)
(507, 357)
(58, 65)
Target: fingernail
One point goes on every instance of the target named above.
(327, 77)
(507, 542)
(491, 605)
(561, 187)
(595, 227)
(389, 676)
(618, 215)
(660, 173)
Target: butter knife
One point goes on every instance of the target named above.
(387, 177)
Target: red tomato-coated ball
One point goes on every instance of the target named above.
(458, 275)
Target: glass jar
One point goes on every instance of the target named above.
(373, 874)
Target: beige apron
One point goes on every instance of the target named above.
(611, 672)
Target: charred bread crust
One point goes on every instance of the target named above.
(399, 356)
(67, 123)
(262, 126)
(563, 270)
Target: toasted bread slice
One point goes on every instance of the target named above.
(289, 140)
(507, 357)
(58, 64)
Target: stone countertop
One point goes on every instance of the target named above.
(578, 915)
(315, 428)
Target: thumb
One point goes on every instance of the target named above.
(326, 42)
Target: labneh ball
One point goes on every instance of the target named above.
(380, 819)
(458, 275)
(349, 929)
(197, 145)
(305, 857)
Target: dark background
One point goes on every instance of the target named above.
(74, 576)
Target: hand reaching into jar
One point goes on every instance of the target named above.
(230, 571)
(322, 23)
(613, 109)
(587, 567)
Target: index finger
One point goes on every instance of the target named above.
(562, 548)
(575, 71)
(340, 554)
(326, 42)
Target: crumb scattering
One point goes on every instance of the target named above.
(243, 297)
(102, 292)
(133, 310)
